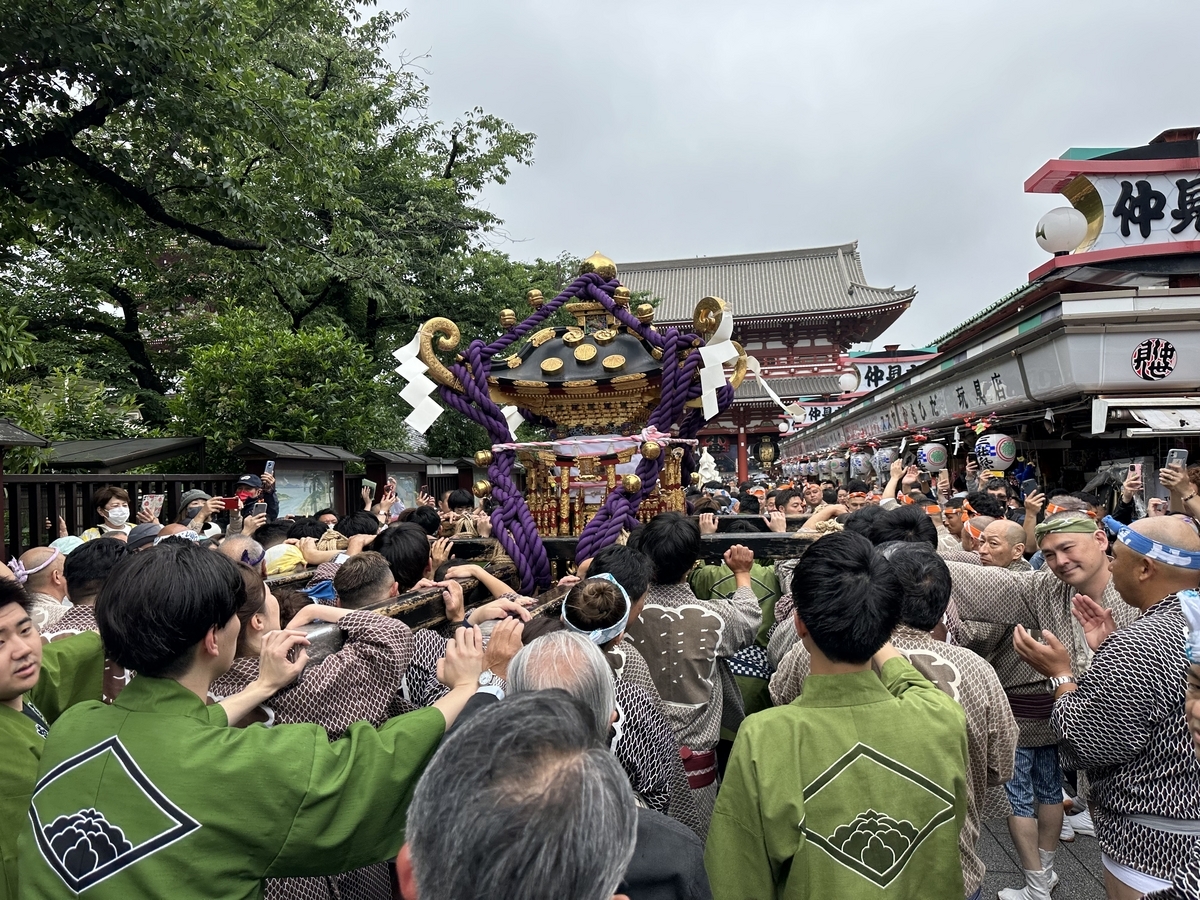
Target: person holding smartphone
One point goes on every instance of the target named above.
(250, 488)
(1182, 482)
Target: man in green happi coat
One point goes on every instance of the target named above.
(858, 787)
(36, 685)
(154, 796)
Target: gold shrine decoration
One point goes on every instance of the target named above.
(448, 336)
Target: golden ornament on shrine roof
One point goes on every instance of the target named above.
(573, 337)
(483, 458)
(508, 318)
(651, 449)
(535, 298)
(481, 488)
(600, 264)
(605, 336)
(585, 353)
(613, 363)
(621, 296)
(552, 364)
(645, 313)
(631, 483)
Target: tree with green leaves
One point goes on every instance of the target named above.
(314, 386)
(166, 161)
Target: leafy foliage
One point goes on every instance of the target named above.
(315, 386)
(66, 405)
(168, 165)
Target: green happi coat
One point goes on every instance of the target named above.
(72, 671)
(855, 789)
(154, 796)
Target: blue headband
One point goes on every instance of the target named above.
(601, 636)
(1151, 549)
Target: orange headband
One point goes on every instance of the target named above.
(974, 532)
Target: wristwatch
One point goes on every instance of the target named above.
(491, 683)
(1056, 683)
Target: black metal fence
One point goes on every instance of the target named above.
(30, 501)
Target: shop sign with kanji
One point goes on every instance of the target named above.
(1147, 209)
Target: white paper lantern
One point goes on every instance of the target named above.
(860, 465)
(995, 451)
(931, 457)
(838, 466)
(1061, 230)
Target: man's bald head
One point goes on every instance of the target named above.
(1143, 581)
(1002, 544)
(1174, 531)
(243, 549)
(49, 579)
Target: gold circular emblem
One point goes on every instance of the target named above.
(551, 364)
(613, 363)
(605, 336)
(573, 337)
(585, 353)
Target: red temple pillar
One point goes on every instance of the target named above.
(743, 462)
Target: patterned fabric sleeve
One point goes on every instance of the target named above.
(788, 681)
(742, 617)
(420, 686)
(994, 595)
(358, 681)
(783, 640)
(1110, 718)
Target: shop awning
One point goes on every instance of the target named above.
(1154, 415)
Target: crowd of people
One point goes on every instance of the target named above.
(836, 721)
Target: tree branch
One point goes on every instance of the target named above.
(150, 205)
(454, 148)
(53, 141)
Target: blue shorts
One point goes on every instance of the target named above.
(1036, 778)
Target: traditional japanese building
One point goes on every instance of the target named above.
(797, 312)
(1091, 364)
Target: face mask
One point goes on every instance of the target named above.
(245, 495)
(118, 515)
(192, 512)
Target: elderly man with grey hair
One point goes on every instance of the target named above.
(521, 801)
(668, 863)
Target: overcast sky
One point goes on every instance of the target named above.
(678, 129)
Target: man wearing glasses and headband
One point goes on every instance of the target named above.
(1123, 719)
(987, 602)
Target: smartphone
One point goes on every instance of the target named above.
(425, 489)
(269, 468)
(1029, 486)
(260, 509)
(369, 485)
(971, 458)
(231, 502)
(153, 503)
(1135, 469)
(1177, 458)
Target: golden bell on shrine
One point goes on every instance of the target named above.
(631, 483)
(621, 296)
(645, 313)
(483, 458)
(651, 449)
(482, 488)
(535, 299)
(508, 318)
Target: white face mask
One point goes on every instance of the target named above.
(118, 516)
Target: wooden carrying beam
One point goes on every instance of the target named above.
(424, 608)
